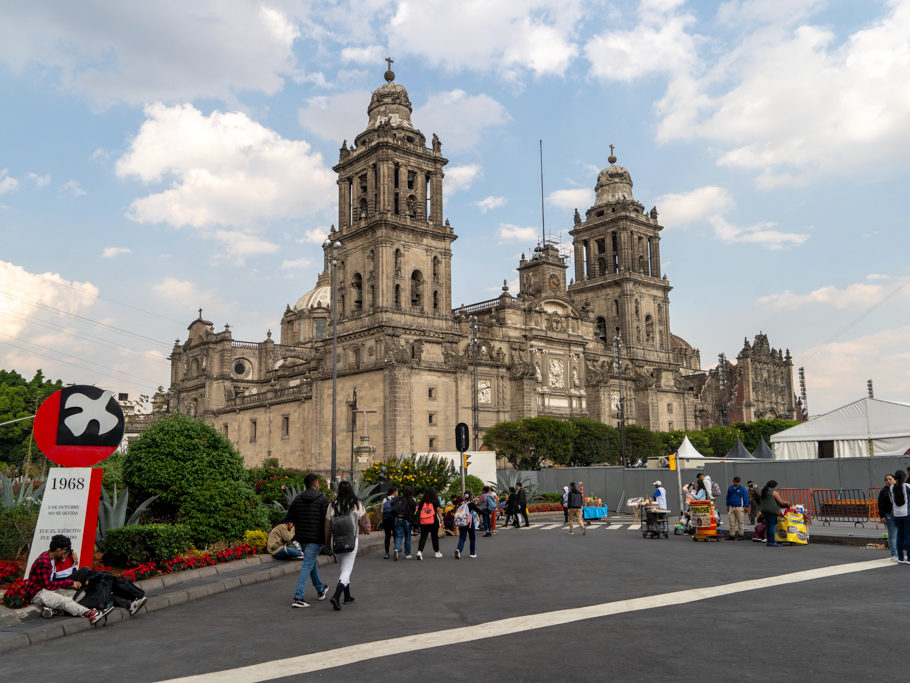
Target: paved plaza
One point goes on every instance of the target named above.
(537, 603)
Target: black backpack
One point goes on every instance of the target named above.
(401, 507)
(344, 533)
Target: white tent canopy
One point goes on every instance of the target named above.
(686, 450)
(847, 432)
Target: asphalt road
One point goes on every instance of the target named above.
(837, 628)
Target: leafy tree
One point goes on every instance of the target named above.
(594, 443)
(527, 443)
(720, 440)
(509, 439)
(177, 456)
(753, 432)
(20, 398)
(420, 472)
(642, 443)
(222, 511)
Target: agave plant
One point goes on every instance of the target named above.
(367, 493)
(112, 513)
(28, 493)
(290, 491)
(508, 479)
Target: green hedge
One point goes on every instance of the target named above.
(17, 526)
(222, 511)
(130, 546)
(552, 497)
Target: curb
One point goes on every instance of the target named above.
(224, 579)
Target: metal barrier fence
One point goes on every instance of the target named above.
(800, 497)
(843, 505)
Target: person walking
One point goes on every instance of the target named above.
(885, 513)
(522, 503)
(388, 519)
(737, 504)
(428, 518)
(307, 512)
(344, 518)
(754, 501)
(565, 504)
(403, 509)
(900, 509)
(512, 508)
(574, 503)
(771, 503)
(488, 510)
(466, 519)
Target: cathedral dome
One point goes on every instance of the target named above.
(390, 104)
(614, 184)
(321, 295)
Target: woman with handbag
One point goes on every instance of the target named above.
(771, 503)
(344, 517)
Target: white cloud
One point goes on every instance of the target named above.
(511, 233)
(23, 293)
(368, 54)
(40, 180)
(314, 236)
(856, 295)
(185, 292)
(490, 203)
(792, 102)
(296, 264)
(710, 204)
(7, 182)
(577, 198)
(168, 50)
(111, 252)
(500, 35)
(459, 178)
(226, 171)
(72, 188)
(677, 210)
(459, 119)
(658, 44)
(336, 117)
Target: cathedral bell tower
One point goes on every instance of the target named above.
(617, 266)
(395, 255)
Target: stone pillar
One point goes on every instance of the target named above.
(343, 203)
(364, 455)
(372, 206)
(579, 262)
(436, 189)
(655, 256)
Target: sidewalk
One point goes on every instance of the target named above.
(24, 627)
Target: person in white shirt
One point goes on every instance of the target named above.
(660, 495)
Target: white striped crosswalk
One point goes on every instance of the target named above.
(610, 526)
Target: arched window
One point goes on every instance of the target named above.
(615, 308)
(435, 301)
(357, 293)
(417, 289)
(398, 297)
(637, 311)
(363, 208)
(600, 330)
(601, 266)
(398, 263)
(435, 269)
(649, 328)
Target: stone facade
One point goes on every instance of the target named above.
(547, 350)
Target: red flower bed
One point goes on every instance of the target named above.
(9, 571)
(545, 507)
(14, 596)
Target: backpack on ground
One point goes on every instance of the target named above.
(427, 514)
(462, 515)
(344, 533)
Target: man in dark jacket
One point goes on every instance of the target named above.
(307, 512)
(522, 503)
(575, 502)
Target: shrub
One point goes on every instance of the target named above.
(257, 539)
(552, 497)
(9, 572)
(472, 484)
(17, 526)
(173, 456)
(14, 597)
(222, 511)
(270, 481)
(417, 471)
(130, 546)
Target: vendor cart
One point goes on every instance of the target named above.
(656, 523)
(791, 526)
(704, 515)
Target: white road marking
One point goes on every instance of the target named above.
(615, 526)
(635, 526)
(552, 526)
(320, 661)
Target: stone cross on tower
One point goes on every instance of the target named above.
(364, 412)
(390, 62)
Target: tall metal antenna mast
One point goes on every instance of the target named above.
(543, 224)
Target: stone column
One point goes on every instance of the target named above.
(436, 181)
(655, 256)
(579, 261)
(372, 206)
(343, 203)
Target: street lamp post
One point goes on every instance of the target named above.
(334, 246)
(617, 360)
(474, 402)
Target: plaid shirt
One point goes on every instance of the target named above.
(40, 577)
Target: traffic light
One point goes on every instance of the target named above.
(466, 457)
(672, 458)
(461, 437)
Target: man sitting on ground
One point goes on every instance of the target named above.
(281, 544)
(44, 589)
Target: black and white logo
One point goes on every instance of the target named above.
(89, 416)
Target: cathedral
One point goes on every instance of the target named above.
(592, 342)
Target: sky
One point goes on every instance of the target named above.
(157, 158)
